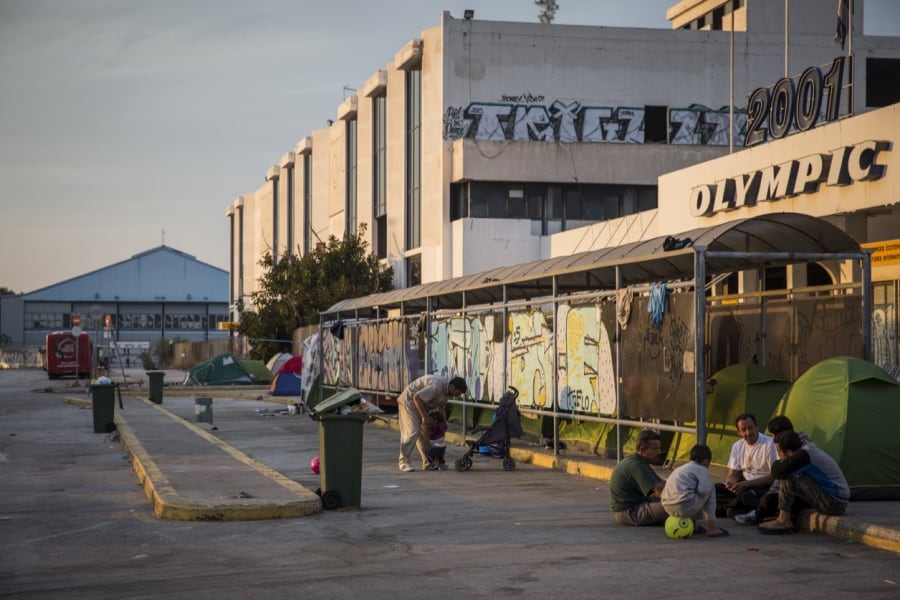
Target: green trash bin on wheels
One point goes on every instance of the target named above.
(103, 406)
(340, 450)
(156, 385)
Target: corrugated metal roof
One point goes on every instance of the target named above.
(768, 240)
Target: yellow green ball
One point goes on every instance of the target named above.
(679, 528)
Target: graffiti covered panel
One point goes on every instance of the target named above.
(658, 362)
(586, 373)
(531, 358)
(471, 347)
(381, 356)
(337, 357)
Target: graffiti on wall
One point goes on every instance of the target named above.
(471, 347)
(26, 358)
(381, 356)
(699, 125)
(586, 373)
(516, 120)
(658, 362)
(337, 358)
(531, 358)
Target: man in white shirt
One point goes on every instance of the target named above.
(749, 469)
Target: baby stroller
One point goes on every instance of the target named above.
(506, 425)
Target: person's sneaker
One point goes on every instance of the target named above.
(749, 518)
(406, 467)
(432, 467)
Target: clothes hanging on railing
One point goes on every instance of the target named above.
(657, 304)
(624, 296)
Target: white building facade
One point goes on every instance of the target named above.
(484, 144)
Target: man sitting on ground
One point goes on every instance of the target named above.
(749, 470)
(634, 486)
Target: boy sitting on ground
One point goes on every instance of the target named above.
(690, 493)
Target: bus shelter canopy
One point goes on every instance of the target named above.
(770, 240)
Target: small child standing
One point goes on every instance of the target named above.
(436, 431)
(690, 493)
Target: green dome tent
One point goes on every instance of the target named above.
(851, 409)
(225, 369)
(734, 390)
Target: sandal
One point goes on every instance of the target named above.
(777, 530)
(722, 533)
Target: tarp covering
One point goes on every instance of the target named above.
(287, 379)
(225, 369)
(851, 408)
(277, 360)
(732, 391)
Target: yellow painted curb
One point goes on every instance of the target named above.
(167, 504)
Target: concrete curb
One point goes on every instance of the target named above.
(167, 504)
(165, 500)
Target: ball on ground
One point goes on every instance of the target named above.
(679, 528)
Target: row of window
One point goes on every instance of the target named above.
(557, 206)
(127, 321)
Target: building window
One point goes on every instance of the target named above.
(351, 162)
(882, 81)
(275, 238)
(413, 159)
(775, 278)
(289, 174)
(379, 175)
(557, 206)
(656, 124)
(413, 270)
(307, 203)
(46, 320)
(240, 291)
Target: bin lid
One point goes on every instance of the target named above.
(336, 401)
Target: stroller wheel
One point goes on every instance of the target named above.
(331, 500)
(509, 464)
(464, 464)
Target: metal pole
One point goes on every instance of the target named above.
(850, 60)
(554, 396)
(699, 342)
(618, 370)
(867, 306)
(731, 86)
(786, 20)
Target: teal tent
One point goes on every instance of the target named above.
(851, 409)
(732, 391)
(225, 369)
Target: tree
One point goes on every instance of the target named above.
(5, 291)
(548, 10)
(293, 291)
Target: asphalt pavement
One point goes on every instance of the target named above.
(245, 455)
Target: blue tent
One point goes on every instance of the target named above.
(287, 380)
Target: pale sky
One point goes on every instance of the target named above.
(124, 119)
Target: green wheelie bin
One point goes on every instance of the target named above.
(103, 407)
(156, 385)
(340, 450)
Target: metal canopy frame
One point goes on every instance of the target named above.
(771, 240)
